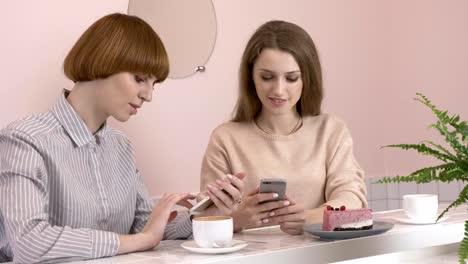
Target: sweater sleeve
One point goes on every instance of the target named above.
(23, 206)
(345, 178)
(215, 164)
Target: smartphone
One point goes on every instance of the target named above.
(273, 186)
(201, 206)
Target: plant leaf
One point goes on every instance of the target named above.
(463, 249)
(444, 120)
(462, 198)
(438, 146)
(455, 166)
(425, 175)
(425, 150)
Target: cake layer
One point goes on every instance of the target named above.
(353, 219)
(357, 224)
(353, 229)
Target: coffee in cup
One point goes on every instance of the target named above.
(210, 230)
(421, 207)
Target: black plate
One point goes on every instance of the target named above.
(379, 227)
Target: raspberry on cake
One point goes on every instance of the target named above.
(340, 219)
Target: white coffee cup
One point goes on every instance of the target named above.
(420, 206)
(210, 230)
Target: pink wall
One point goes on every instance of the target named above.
(428, 46)
(376, 55)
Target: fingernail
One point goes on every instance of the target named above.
(275, 195)
(272, 213)
(286, 203)
(209, 186)
(229, 175)
(265, 220)
(218, 181)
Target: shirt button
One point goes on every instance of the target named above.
(93, 148)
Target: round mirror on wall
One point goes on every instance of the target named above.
(187, 28)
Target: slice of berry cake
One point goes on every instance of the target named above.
(340, 219)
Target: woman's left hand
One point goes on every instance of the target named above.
(226, 194)
(290, 218)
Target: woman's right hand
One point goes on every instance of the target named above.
(161, 215)
(252, 213)
(153, 231)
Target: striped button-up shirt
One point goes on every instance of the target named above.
(66, 194)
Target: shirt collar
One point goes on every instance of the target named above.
(73, 124)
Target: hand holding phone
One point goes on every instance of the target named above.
(201, 206)
(271, 185)
(235, 186)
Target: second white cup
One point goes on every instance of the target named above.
(420, 206)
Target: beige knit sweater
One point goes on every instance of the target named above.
(317, 161)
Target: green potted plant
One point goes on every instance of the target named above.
(454, 162)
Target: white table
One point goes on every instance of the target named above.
(270, 245)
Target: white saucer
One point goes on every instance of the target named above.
(406, 220)
(192, 246)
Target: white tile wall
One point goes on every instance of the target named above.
(393, 191)
(429, 188)
(461, 185)
(379, 191)
(393, 204)
(388, 196)
(407, 188)
(379, 205)
(369, 182)
(448, 191)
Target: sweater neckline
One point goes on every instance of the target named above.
(291, 136)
